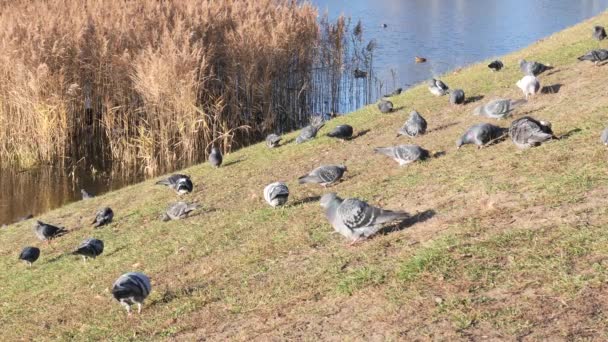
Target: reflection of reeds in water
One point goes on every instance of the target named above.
(155, 84)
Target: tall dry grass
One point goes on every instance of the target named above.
(154, 83)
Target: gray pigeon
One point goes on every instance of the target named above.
(496, 65)
(131, 288)
(215, 157)
(89, 248)
(480, 135)
(529, 85)
(385, 106)
(47, 232)
(325, 175)
(341, 132)
(498, 109)
(30, 255)
(178, 211)
(356, 219)
(404, 154)
(273, 140)
(309, 132)
(599, 33)
(276, 194)
(102, 217)
(532, 68)
(395, 92)
(178, 182)
(595, 56)
(85, 194)
(457, 96)
(604, 137)
(414, 126)
(527, 132)
(437, 87)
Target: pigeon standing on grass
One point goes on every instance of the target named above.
(414, 126)
(276, 194)
(532, 68)
(215, 157)
(131, 288)
(102, 217)
(496, 65)
(599, 33)
(385, 106)
(604, 137)
(498, 109)
(341, 132)
(437, 87)
(457, 97)
(527, 132)
(529, 85)
(356, 219)
(30, 255)
(272, 140)
(89, 248)
(595, 56)
(309, 132)
(180, 183)
(85, 194)
(404, 154)
(178, 211)
(325, 175)
(47, 232)
(481, 135)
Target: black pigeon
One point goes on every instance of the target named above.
(599, 33)
(102, 217)
(341, 132)
(30, 255)
(457, 96)
(496, 65)
(178, 182)
(89, 248)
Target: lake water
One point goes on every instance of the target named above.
(449, 33)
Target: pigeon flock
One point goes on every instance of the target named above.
(351, 217)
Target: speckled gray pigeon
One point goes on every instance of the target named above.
(309, 132)
(89, 248)
(30, 255)
(385, 106)
(178, 182)
(457, 96)
(356, 219)
(325, 175)
(131, 288)
(599, 33)
(437, 87)
(498, 109)
(604, 137)
(178, 211)
(595, 56)
(215, 157)
(341, 132)
(47, 232)
(272, 140)
(102, 217)
(85, 194)
(481, 134)
(404, 154)
(526, 132)
(276, 194)
(414, 126)
(532, 68)
(529, 85)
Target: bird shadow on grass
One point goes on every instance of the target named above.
(473, 99)
(396, 109)
(287, 142)
(57, 258)
(569, 133)
(232, 162)
(551, 89)
(115, 251)
(442, 127)
(359, 134)
(305, 200)
(418, 218)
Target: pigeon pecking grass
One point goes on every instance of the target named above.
(89, 248)
(496, 65)
(532, 68)
(481, 135)
(414, 126)
(529, 85)
(178, 182)
(595, 56)
(527, 132)
(178, 211)
(498, 109)
(273, 140)
(131, 288)
(103, 217)
(47, 232)
(343, 132)
(457, 97)
(385, 106)
(310, 132)
(325, 175)
(30, 255)
(404, 154)
(276, 194)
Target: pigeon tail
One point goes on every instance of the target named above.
(306, 179)
(389, 216)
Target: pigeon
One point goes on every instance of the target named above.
(404, 154)
(385, 106)
(309, 132)
(599, 33)
(415, 125)
(25, 218)
(178, 211)
(276, 194)
(180, 183)
(273, 140)
(498, 109)
(604, 137)
(527, 132)
(30, 255)
(85, 194)
(356, 219)
(89, 248)
(215, 157)
(102, 217)
(480, 135)
(437, 87)
(457, 96)
(131, 288)
(325, 175)
(395, 92)
(532, 68)
(47, 232)
(595, 56)
(341, 132)
(529, 85)
(496, 65)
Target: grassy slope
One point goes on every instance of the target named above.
(510, 244)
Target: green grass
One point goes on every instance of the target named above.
(513, 244)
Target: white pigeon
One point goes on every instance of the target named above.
(529, 85)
